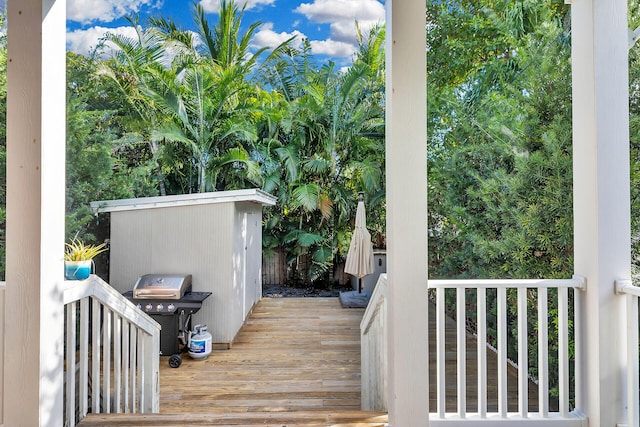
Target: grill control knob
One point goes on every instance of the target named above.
(139, 306)
(159, 307)
(171, 308)
(148, 307)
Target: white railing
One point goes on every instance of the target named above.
(111, 353)
(522, 294)
(373, 346)
(490, 300)
(626, 288)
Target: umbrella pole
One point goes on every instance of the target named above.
(359, 285)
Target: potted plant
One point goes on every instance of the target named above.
(78, 258)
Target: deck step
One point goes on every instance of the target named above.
(349, 418)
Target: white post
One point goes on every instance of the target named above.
(151, 361)
(407, 213)
(601, 202)
(33, 383)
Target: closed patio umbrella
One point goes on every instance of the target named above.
(359, 261)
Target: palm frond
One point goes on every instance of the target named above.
(317, 165)
(308, 239)
(289, 156)
(322, 254)
(306, 196)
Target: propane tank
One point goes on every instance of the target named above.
(200, 342)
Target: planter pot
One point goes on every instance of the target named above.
(77, 270)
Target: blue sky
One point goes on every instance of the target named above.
(328, 24)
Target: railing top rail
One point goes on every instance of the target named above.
(575, 282)
(626, 286)
(95, 287)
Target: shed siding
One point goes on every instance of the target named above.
(250, 215)
(195, 240)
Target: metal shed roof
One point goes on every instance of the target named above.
(250, 195)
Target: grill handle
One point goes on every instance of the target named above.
(154, 294)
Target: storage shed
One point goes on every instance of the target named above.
(216, 237)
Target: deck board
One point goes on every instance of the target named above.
(304, 354)
(296, 356)
(291, 355)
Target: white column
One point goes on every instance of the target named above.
(33, 385)
(407, 213)
(601, 200)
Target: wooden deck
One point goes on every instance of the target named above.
(293, 354)
(295, 362)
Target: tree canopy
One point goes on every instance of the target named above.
(174, 110)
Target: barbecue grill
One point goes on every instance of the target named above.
(169, 300)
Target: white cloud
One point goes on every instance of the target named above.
(266, 37)
(329, 11)
(332, 48)
(85, 41)
(213, 6)
(342, 16)
(87, 11)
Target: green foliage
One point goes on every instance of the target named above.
(169, 115)
(102, 163)
(324, 149)
(195, 99)
(499, 139)
(634, 143)
(500, 151)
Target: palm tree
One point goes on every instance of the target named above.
(197, 95)
(326, 148)
(206, 109)
(128, 69)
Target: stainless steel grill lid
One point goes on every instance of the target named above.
(162, 286)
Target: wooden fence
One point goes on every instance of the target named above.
(275, 270)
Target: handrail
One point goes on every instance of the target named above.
(373, 349)
(576, 282)
(112, 353)
(378, 295)
(95, 287)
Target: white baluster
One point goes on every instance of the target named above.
(482, 352)
(95, 357)
(523, 359)
(126, 363)
(83, 376)
(440, 355)
(543, 353)
(563, 350)
(502, 352)
(117, 364)
(461, 334)
(106, 360)
(71, 363)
